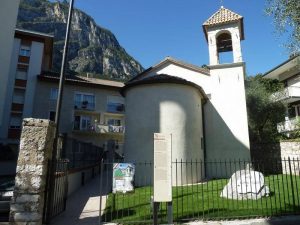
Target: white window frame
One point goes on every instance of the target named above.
(82, 97)
(53, 93)
(25, 49)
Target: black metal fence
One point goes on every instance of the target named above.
(7, 183)
(80, 154)
(208, 190)
(59, 194)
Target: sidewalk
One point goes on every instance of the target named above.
(82, 206)
(286, 220)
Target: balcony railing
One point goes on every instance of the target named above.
(100, 128)
(289, 125)
(286, 93)
(84, 105)
(115, 107)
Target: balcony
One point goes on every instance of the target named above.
(115, 107)
(288, 94)
(99, 129)
(289, 125)
(84, 105)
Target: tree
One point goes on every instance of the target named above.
(286, 15)
(263, 111)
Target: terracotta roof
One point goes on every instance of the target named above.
(80, 80)
(162, 79)
(222, 16)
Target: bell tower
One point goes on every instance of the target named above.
(224, 31)
(225, 112)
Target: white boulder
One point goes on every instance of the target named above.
(246, 184)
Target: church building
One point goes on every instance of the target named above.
(202, 109)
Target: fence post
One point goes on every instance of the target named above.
(28, 203)
(155, 212)
(292, 185)
(101, 183)
(170, 212)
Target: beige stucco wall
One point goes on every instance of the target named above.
(171, 109)
(226, 125)
(8, 16)
(203, 80)
(43, 105)
(225, 115)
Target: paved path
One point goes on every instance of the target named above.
(83, 206)
(286, 220)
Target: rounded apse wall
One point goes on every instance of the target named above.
(171, 109)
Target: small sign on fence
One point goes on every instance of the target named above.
(123, 177)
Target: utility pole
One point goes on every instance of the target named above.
(57, 114)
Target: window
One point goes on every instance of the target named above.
(21, 74)
(52, 115)
(24, 51)
(15, 122)
(84, 101)
(114, 122)
(82, 123)
(115, 104)
(19, 96)
(53, 93)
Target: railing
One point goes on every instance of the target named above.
(100, 128)
(81, 154)
(115, 107)
(60, 190)
(7, 184)
(208, 190)
(288, 125)
(84, 105)
(286, 93)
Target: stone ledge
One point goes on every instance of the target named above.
(38, 122)
(28, 217)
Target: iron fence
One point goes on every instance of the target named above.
(81, 154)
(59, 193)
(7, 183)
(207, 190)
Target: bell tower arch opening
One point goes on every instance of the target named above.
(224, 47)
(224, 32)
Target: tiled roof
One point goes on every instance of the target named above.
(222, 16)
(175, 61)
(73, 79)
(160, 79)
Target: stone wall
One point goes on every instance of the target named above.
(268, 155)
(35, 150)
(290, 149)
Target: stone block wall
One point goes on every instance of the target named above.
(36, 146)
(290, 149)
(271, 154)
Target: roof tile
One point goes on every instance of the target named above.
(222, 16)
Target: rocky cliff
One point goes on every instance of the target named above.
(92, 49)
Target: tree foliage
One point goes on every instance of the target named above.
(286, 15)
(263, 111)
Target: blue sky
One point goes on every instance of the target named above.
(150, 30)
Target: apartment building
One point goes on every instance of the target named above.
(92, 109)
(31, 54)
(288, 73)
(8, 13)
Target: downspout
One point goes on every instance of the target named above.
(204, 137)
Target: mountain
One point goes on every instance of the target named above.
(92, 49)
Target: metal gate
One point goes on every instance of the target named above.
(56, 190)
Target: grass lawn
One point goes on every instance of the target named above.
(203, 201)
